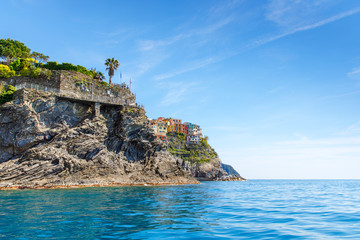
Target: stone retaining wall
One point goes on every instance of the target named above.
(75, 85)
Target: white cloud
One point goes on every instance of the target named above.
(295, 12)
(304, 28)
(147, 45)
(223, 7)
(193, 66)
(257, 43)
(177, 92)
(355, 73)
(354, 128)
(275, 90)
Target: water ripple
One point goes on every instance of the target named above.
(259, 209)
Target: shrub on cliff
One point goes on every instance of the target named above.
(6, 94)
(36, 73)
(67, 66)
(6, 72)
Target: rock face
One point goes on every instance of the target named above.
(200, 160)
(47, 141)
(206, 171)
(233, 175)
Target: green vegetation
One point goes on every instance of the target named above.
(195, 153)
(112, 65)
(6, 94)
(23, 67)
(13, 49)
(39, 57)
(204, 142)
(67, 66)
(6, 72)
(97, 75)
(20, 61)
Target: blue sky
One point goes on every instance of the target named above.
(274, 84)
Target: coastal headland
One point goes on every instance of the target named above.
(69, 128)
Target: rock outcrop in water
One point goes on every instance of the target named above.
(200, 160)
(48, 141)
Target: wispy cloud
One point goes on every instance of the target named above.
(213, 27)
(355, 73)
(193, 66)
(275, 90)
(353, 130)
(304, 28)
(147, 45)
(177, 92)
(354, 127)
(223, 7)
(341, 95)
(255, 44)
(115, 37)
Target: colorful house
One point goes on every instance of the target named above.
(171, 128)
(190, 126)
(174, 121)
(162, 128)
(161, 119)
(154, 128)
(193, 139)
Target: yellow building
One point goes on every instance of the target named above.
(162, 128)
(171, 128)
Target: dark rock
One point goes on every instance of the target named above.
(48, 141)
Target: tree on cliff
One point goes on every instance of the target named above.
(39, 57)
(97, 74)
(112, 66)
(12, 49)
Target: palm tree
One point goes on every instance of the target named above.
(100, 76)
(112, 65)
(97, 74)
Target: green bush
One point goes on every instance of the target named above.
(6, 95)
(41, 73)
(67, 66)
(6, 72)
(51, 65)
(25, 72)
(16, 65)
(36, 73)
(103, 83)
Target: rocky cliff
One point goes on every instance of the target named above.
(47, 141)
(200, 160)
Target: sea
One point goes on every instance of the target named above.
(256, 209)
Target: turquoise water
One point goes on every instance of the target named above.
(257, 209)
